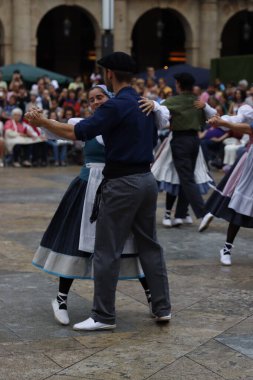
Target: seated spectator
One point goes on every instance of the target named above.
(55, 108)
(2, 147)
(63, 96)
(211, 141)
(22, 99)
(33, 101)
(230, 89)
(71, 101)
(9, 107)
(2, 101)
(163, 90)
(243, 85)
(15, 90)
(151, 89)
(17, 139)
(39, 148)
(140, 86)
(237, 101)
(77, 84)
(219, 85)
(38, 87)
(84, 109)
(232, 145)
(150, 74)
(196, 91)
(96, 77)
(81, 95)
(59, 147)
(224, 103)
(44, 101)
(52, 91)
(249, 99)
(16, 81)
(210, 91)
(214, 103)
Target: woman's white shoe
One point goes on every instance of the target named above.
(225, 257)
(61, 315)
(206, 220)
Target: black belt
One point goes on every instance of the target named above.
(189, 132)
(117, 169)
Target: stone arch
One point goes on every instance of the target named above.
(237, 34)
(160, 24)
(88, 34)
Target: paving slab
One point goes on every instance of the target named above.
(208, 338)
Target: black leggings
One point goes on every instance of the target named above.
(232, 232)
(65, 284)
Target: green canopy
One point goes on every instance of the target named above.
(32, 73)
(232, 68)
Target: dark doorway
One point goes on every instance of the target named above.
(158, 39)
(237, 35)
(66, 41)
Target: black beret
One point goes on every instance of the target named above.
(185, 79)
(118, 61)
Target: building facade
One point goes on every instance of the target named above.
(66, 35)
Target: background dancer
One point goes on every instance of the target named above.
(236, 199)
(244, 115)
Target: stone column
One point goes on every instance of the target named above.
(21, 38)
(192, 54)
(209, 38)
(121, 37)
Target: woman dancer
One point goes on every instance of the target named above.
(236, 198)
(60, 253)
(244, 115)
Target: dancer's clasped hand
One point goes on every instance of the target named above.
(217, 121)
(35, 116)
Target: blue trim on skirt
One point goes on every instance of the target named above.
(83, 278)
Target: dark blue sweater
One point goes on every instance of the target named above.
(129, 135)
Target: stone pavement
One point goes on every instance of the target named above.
(210, 336)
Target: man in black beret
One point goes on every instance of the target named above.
(118, 61)
(128, 193)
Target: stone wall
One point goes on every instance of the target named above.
(203, 22)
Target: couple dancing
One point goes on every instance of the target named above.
(127, 196)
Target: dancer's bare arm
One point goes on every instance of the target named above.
(36, 118)
(237, 127)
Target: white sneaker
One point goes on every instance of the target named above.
(177, 222)
(188, 220)
(61, 315)
(164, 318)
(206, 220)
(90, 325)
(225, 257)
(167, 220)
(1, 163)
(16, 165)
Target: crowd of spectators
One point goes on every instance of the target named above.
(24, 145)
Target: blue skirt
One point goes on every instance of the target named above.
(58, 253)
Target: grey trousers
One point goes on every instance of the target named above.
(128, 204)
